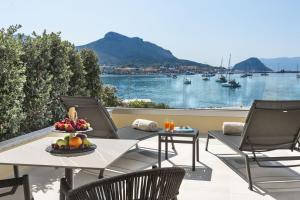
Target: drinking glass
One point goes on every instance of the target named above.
(167, 125)
(172, 126)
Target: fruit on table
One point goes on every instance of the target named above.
(82, 136)
(60, 143)
(69, 128)
(66, 124)
(75, 142)
(86, 142)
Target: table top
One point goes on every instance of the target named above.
(179, 134)
(35, 154)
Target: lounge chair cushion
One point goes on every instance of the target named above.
(144, 125)
(233, 128)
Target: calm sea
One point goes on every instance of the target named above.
(203, 94)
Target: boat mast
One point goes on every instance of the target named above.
(221, 62)
(229, 66)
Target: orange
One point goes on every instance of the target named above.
(75, 142)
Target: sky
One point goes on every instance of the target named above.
(198, 30)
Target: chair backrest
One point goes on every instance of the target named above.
(271, 125)
(154, 184)
(95, 113)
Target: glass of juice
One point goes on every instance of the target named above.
(167, 125)
(172, 126)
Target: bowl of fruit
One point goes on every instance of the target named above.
(72, 144)
(70, 126)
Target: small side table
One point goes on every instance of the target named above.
(168, 137)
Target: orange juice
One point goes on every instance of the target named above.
(167, 125)
(172, 125)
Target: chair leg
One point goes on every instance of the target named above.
(248, 172)
(207, 140)
(101, 174)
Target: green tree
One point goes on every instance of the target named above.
(38, 82)
(92, 67)
(60, 70)
(12, 78)
(77, 81)
(109, 96)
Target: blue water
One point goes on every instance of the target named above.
(200, 94)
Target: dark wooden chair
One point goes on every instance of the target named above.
(15, 183)
(154, 184)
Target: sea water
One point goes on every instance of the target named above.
(205, 94)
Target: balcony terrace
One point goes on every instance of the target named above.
(220, 174)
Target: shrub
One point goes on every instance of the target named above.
(38, 84)
(77, 79)
(92, 77)
(60, 70)
(12, 79)
(109, 96)
(144, 104)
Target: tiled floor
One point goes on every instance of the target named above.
(219, 175)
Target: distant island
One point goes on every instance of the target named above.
(282, 63)
(251, 65)
(123, 53)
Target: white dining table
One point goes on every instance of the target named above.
(34, 154)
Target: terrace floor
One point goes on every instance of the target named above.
(218, 175)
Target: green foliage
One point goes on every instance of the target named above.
(109, 96)
(60, 70)
(144, 104)
(77, 80)
(37, 88)
(35, 71)
(12, 78)
(92, 67)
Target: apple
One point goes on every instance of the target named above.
(88, 125)
(61, 126)
(83, 127)
(81, 121)
(73, 124)
(67, 121)
(69, 128)
(86, 142)
(61, 142)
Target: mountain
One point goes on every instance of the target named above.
(286, 63)
(251, 65)
(119, 50)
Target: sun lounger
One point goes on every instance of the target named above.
(270, 125)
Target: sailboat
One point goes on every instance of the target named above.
(247, 73)
(264, 74)
(187, 81)
(221, 78)
(298, 75)
(231, 82)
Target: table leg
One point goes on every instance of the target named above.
(166, 147)
(194, 151)
(173, 145)
(159, 151)
(198, 149)
(16, 171)
(69, 176)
